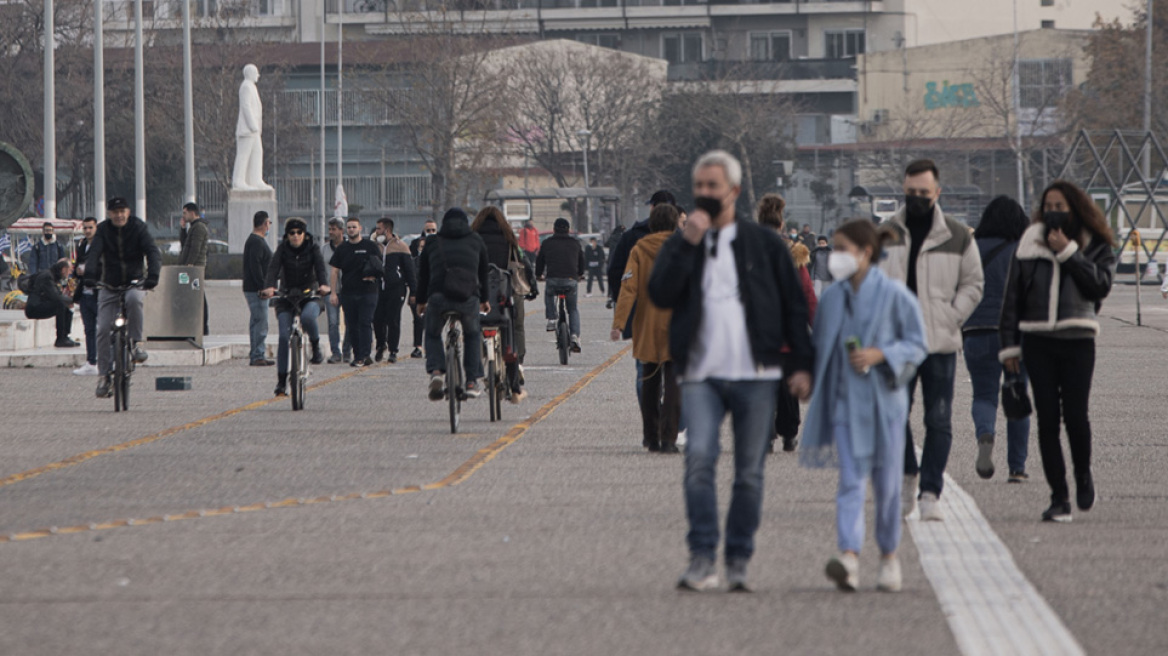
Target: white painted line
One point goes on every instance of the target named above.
(992, 609)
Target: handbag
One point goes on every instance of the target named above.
(459, 284)
(518, 271)
(1015, 400)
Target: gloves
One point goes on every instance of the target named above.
(531, 296)
(149, 284)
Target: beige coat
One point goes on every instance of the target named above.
(650, 323)
(950, 279)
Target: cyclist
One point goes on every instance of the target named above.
(561, 258)
(122, 251)
(299, 264)
(452, 277)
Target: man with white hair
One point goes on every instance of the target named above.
(736, 301)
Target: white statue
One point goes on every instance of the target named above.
(249, 149)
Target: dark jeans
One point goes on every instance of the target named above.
(419, 325)
(985, 370)
(659, 420)
(387, 319)
(567, 287)
(88, 305)
(1060, 374)
(751, 405)
(359, 321)
(49, 310)
(472, 336)
(936, 375)
(598, 275)
(308, 317)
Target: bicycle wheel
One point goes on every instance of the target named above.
(294, 371)
(119, 368)
(128, 371)
(493, 389)
(454, 377)
(563, 341)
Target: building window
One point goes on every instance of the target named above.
(610, 40)
(842, 44)
(770, 46)
(1047, 3)
(596, 3)
(682, 47)
(1048, 25)
(1042, 82)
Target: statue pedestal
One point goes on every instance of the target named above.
(241, 208)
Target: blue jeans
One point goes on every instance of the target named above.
(359, 310)
(308, 317)
(849, 499)
(257, 325)
(472, 335)
(981, 358)
(334, 330)
(936, 376)
(89, 319)
(751, 405)
(566, 286)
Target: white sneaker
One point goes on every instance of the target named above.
(931, 508)
(86, 370)
(681, 438)
(844, 569)
(888, 579)
(908, 496)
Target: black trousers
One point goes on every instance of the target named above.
(598, 275)
(659, 421)
(59, 310)
(419, 325)
(1060, 374)
(387, 319)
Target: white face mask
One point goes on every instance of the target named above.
(842, 265)
(381, 239)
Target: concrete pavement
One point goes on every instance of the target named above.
(566, 541)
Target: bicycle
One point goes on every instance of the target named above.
(123, 352)
(498, 385)
(563, 334)
(298, 370)
(455, 385)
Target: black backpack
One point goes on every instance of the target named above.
(459, 284)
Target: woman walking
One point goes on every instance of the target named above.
(870, 339)
(651, 336)
(300, 266)
(1002, 224)
(1059, 276)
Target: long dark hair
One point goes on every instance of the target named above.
(1083, 209)
(1003, 218)
(496, 214)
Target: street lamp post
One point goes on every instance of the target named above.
(587, 135)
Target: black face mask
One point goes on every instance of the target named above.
(709, 204)
(918, 206)
(1061, 221)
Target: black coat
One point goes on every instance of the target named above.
(499, 251)
(618, 258)
(771, 293)
(45, 297)
(455, 246)
(297, 270)
(560, 256)
(121, 255)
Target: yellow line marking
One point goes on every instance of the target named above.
(459, 475)
(72, 461)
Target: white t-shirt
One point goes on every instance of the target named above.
(722, 347)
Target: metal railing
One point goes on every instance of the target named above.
(795, 69)
(361, 106)
(301, 195)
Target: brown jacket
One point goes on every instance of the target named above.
(650, 323)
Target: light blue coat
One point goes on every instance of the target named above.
(877, 402)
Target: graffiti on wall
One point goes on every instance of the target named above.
(950, 95)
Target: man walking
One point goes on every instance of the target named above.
(594, 259)
(328, 247)
(193, 235)
(86, 299)
(736, 301)
(938, 260)
(529, 239)
(357, 265)
(419, 325)
(397, 284)
(562, 260)
(257, 255)
(46, 252)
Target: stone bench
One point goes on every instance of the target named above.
(19, 333)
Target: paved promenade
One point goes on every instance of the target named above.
(217, 521)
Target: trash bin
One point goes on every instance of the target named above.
(174, 309)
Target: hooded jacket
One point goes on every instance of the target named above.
(194, 243)
(121, 255)
(650, 323)
(948, 273)
(561, 256)
(455, 246)
(45, 297)
(1048, 292)
(768, 286)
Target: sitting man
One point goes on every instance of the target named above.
(45, 300)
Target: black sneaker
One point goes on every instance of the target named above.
(139, 354)
(357, 363)
(736, 575)
(417, 353)
(368, 362)
(281, 390)
(65, 343)
(790, 444)
(670, 448)
(380, 354)
(393, 357)
(334, 358)
(103, 387)
(317, 356)
(575, 344)
(1018, 476)
(1084, 491)
(1058, 512)
(653, 446)
(985, 456)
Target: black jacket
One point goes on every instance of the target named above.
(560, 256)
(81, 253)
(121, 255)
(257, 257)
(399, 271)
(618, 258)
(1048, 292)
(455, 246)
(769, 287)
(298, 270)
(44, 295)
(498, 250)
(594, 256)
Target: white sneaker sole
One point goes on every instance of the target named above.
(708, 583)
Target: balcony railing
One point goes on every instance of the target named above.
(796, 69)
